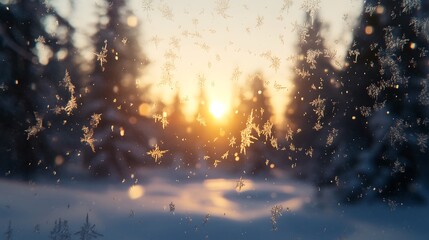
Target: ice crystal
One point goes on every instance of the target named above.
(302, 31)
(318, 105)
(102, 55)
(276, 212)
(88, 137)
(311, 7)
(221, 7)
(370, 9)
(422, 142)
(225, 155)
(289, 134)
(232, 141)
(95, 120)
(274, 143)
(87, 231)
(286, 5)
(166, 12)
(311, 57)
(409, 5)
(246, 134)
(156, 153)
(206, 218)
(162, 119)
(331, 136)
(267, 129)
(147, 6)
(201, 120)
(309, 152)
(60, 231)
(40, 39)
(397, 132)
(236, 73)
(71, 103)
(259, 21)
(172, 207)
(33, 130)
(240, 184)
(216, 163)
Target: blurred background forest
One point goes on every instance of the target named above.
(358, 126)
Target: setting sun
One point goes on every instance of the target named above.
(217, 109)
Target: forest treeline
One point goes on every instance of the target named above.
(359, 127)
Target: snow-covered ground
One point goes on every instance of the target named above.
(203, 209)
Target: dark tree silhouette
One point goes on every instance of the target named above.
(383, 114)
(29, 77)
(312, 105)
(121, 137)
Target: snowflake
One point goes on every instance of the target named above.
(172, 207)
(40, 39)
(201, 120)
(409, 5)
(156, 153)
(422, 142)
(87, 231)
(246, 134)
(156, 40)
(302, 31)
(365, 111)
(147, 6)
(275, 63)
(398, 167)
(232, 141)
(370, 9)
(216, 163)
(236, 73)
(286, 5)
(124, 40)
(88, 137)
(161, 118)
(276, 212)
(311, 7)
(397, 132)
(311, 57)
(166, 12)
(33, 130)
(331, 136)
(102, 55)
(60, 231)
(278, 86)
(240, 184)
(71, 103)
(319, 108)
(221, 7)
(309, 152)
(206, 218)
(95, 120)
(274, 143)
(267, 129)
(225, 155)
(259, 21)
(302, 73)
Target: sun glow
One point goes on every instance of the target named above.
(217, 109)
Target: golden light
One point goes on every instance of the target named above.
(132, 21)
(135, 192)
(217, 109)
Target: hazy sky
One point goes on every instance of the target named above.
(206, 45)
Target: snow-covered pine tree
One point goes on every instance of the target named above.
(383, 117)
(312, 104)
(121, 137)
